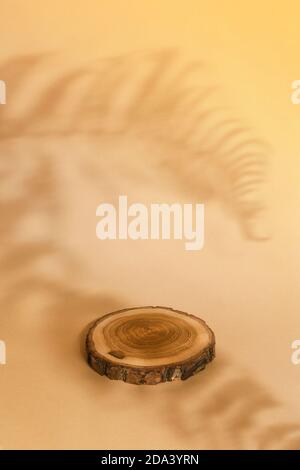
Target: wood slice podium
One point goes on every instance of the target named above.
(149, 345)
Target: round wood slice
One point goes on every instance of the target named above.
(149, 345)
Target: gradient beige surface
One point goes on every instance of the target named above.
(56, 277)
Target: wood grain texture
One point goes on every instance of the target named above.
(149, 345)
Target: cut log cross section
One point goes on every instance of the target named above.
(149, 345)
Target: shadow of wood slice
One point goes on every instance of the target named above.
(149, 345)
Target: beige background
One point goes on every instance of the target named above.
(57, 277)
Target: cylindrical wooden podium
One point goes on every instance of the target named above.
(149, 345)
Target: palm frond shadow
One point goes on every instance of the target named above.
(227, 408)
(160, 97)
